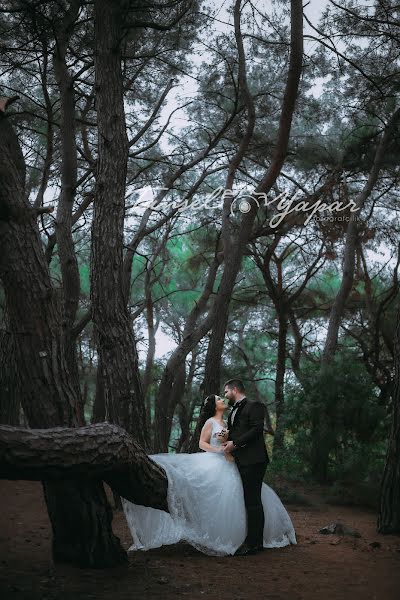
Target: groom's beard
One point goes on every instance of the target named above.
(231, 402)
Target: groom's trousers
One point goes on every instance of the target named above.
(252, 478)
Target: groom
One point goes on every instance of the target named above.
(246, 444)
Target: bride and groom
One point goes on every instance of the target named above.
(217, 500)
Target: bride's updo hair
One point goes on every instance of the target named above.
(207, 410)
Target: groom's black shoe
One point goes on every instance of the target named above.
(245, 550)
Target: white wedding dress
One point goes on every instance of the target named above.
(205, 499)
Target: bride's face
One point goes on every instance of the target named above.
(220, 403)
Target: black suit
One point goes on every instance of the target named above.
(247, 434)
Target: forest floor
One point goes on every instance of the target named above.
(320, 566)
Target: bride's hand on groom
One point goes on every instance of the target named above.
(228, 447)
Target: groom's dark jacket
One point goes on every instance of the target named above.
(247, 433)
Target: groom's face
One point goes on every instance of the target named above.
(230, 395)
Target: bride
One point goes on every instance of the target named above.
(205, 499)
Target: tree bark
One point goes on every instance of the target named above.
(184, 425)
(113, 328)
(212, 373)
(186, 407)
(47, 397)
(280, 381)
(9, 377)
(32, 304)
(69, 171)
(94, 452)
(389, 511)
(73, 462)
(151, 331)
(80, 514)
(99, 404)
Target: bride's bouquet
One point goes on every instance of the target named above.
(222, 437)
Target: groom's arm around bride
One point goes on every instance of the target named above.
(246, 432)
(250, 429)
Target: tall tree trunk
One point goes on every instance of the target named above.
(80, 513)
(46, 394)
(151, 330)
(184, 422)
(320, 434)
(113, 328)
(186, 407)
(99, 404)
(191, 442)
(175, 396)
(280, 381)
(152, 327)
(346, 285)
(389, 511)
(9, 380)
(69, 170)
(178, 390)
(32, 304)
(212, 374)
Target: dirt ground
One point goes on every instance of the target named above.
(320, 566)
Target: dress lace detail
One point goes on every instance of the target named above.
(205, 499)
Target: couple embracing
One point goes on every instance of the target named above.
(217, 500)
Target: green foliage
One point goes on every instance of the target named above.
(293, 463)
(354, 424)
(286, 491)
(84, 272)
(357, 480)
(326, 286)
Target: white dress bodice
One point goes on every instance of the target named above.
(215, 430)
